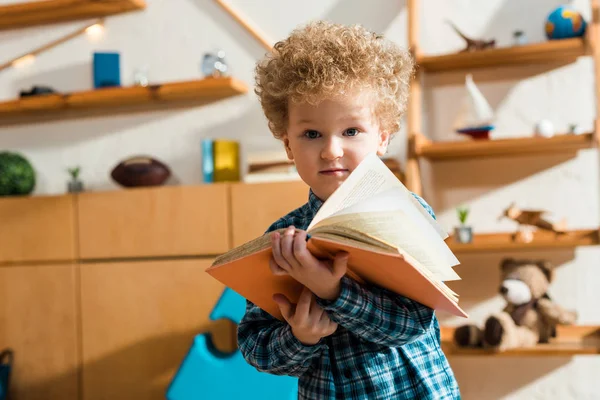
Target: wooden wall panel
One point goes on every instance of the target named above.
(38, 321)
(139, 320)
(254, 207)
(36, 228)
(151, 222)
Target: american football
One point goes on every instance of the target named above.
(140, 171)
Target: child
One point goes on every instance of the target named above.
(334, 94)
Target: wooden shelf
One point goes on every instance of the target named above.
(118, 100)
(541, 240)
(570, 341)
(503, 147)
(552, 51)
(27, 14)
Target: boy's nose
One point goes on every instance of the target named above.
(332, 150)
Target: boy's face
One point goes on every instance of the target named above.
(329, 140)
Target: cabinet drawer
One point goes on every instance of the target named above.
(37, 228)
(154, 222)
(139, 319)
(38, 321)
(254, 207)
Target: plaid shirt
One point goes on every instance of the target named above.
(386, 346)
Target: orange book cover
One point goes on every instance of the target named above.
(251, 277)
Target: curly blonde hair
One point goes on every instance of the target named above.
(322, 60)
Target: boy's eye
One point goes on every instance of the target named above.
(351, 132)
(311, 134)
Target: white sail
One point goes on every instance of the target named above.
(476, 110)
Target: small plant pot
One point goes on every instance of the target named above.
(75, 186)
(463, 234)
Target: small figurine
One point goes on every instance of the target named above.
(532, 218)
(474, 44)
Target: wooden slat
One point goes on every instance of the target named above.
(505, 147)
(38, 322)
(552, 51)
(154, 222)
(37, 228)
(570, 341)
(541, 240)
(32, 13)
(139, 321)
(254, 207)
(118, 99)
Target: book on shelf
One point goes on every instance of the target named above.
(392, 241)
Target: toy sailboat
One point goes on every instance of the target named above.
(475, 119)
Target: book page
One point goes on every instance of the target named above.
(369, 178)
(394, 200)
(409, 240)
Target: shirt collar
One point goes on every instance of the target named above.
(314, 203)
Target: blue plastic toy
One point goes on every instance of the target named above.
(6, 360)
(207, 373)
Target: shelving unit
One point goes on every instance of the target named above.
(541, 240)
(118, 99)
(569, 341)
(33, 13)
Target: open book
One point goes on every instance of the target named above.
(391, 239)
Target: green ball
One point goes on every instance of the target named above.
(17, 176)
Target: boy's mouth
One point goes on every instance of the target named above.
(334, 171)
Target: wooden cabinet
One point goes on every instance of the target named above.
(37, 228)
(139, 320)
(254, 207)
(154, 222)
(38, 321)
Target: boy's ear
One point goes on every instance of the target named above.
(384, 141)
(286, 143)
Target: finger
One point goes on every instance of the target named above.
(276, 269)
(340, 264)
(301, 253)
(287, 242)
(303, 306)
(276, 247)
(316, 312)
(285, 306)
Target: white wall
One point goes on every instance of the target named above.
(171, 36)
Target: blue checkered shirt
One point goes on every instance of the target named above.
(386, 346)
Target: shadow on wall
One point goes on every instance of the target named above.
(142, 370)
(376, 15)
(472, 178)
(64, 80)
(492, 378)
(511, 16)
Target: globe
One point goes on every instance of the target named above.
(565, 22)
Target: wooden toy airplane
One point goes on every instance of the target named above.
(533, 218)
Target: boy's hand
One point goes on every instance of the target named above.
(308, 321)
(291, 257)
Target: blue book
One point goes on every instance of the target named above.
(208, 161)
(107, 71)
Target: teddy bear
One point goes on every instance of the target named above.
(530, 316)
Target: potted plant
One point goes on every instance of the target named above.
(75, 185)
(463, 233)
